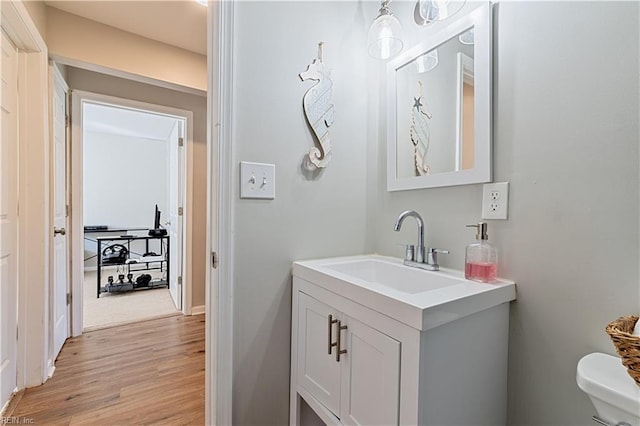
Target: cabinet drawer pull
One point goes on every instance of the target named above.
(331, 344)
(339, 340)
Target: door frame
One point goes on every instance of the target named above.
(78, 97)
(220, 211)
(34, 221)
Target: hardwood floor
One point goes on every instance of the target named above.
(151, 372)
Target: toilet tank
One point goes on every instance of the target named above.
(612, 391)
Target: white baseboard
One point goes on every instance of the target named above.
(197, 310)
(3, 411)
(51, 369)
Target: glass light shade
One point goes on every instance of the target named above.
(438, 10)
(427, 62)
(385, 37)
(468, 37)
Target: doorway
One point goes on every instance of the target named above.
(131, 171)
(35, 229)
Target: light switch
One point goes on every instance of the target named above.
(257, 180)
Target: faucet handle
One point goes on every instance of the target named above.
(437, 250)
(432, 256)
(409, 251)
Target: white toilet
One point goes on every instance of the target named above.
(612, 391)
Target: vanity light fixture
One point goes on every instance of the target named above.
(385, 34)
(202, 2)
(427, 11)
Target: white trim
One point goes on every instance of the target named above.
(77, 230)
(220, 281)
(76, 214)
(6, 405)
(198, 310)
(187, 222)
(33, 183)
(127, 75)
(17, 23)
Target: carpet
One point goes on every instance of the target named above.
(122, 308)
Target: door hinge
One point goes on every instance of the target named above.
(180, 141)
(180, 280)
(67, 121)
(68, 298)
(214, 259)
(180, 211)
(66, 210)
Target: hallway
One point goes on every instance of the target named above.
(150, 372)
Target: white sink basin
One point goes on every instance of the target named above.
(419, 298)
(392, 275)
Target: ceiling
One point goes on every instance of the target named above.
(126, 122)
(180, 23)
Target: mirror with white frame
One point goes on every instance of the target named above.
(439, 107)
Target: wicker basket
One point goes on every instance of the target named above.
(627, 345)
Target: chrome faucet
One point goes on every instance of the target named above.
(416, 257)
(419, 251)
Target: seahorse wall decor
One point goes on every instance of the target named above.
(318, 111)
(420, 133)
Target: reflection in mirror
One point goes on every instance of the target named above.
(467, 37)
(465, 120)
(434, 108)
(428, 11)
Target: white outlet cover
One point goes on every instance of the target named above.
(257, 180)
(495, 200)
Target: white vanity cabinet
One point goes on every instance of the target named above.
(350, 368)
(362, 355)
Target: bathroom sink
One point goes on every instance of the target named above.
(419, 298)
(395, 276)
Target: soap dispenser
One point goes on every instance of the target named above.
(481, 258)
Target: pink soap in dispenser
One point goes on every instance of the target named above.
(481, 258)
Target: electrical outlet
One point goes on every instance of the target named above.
(495, 200)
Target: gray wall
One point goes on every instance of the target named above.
(565, 135)
(566, 138)
(312, 215)
(79, 79)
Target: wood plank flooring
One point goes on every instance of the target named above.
(148, 373)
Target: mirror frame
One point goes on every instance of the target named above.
(480, 20)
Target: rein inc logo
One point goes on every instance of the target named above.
(17, 421)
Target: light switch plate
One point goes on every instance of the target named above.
(495, 200)
(257, 180)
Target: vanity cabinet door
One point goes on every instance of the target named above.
(370, 376)
(318, 371)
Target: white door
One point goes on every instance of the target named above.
(8, 220)
(60, 308)
(176, 211)
(370, 376)
(318, 370)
